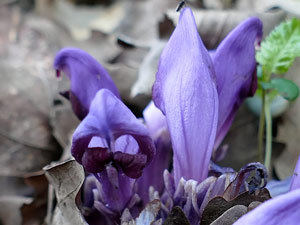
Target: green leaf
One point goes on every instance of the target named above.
(259, 71)
(286, 88)
(280, 48)
(266, 85)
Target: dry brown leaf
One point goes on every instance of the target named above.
(147, 71)
(142, 17)
(231, 215)
(10, 213)
(35, 212)
(290, 6)
(253, 205)
(81, 21)
(25, 135)
(176, 216)
(213, 25)
(218, 205)
(218, 4)
(63, 121)
(67, 178)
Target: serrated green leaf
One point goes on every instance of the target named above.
(286, 88)
(280, 48)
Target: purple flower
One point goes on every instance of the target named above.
(87, 76)
(199, 112)
(185, 92)
(109, 120)
(116, 147)
(157, 125)
(235, 66)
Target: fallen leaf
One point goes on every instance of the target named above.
(218, 205)
(214, 25)
(10, 213)
(176, 217)
(124, 77)
(253, 205)
(147, 71)
(81, 21)
(142, 17)
(67, 178)
(290, 6)
(34, 213)
(231, 215)
(63, 121)
(26, 140)
(218, 4)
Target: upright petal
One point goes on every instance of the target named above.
(284, 209)
(87, 76)
(295, 184)
(186, 94)
(235, 66)
(109, 119)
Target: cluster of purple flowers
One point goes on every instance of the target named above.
(195, 98)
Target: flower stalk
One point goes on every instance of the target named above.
(261, 130)
(275, 56)
(268, 117)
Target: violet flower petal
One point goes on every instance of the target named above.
(284, 209)
(153, 174)
(109, 119)
(87, 76)
(155, 121)
(279, 187)
(88, 196)
(295, 184)
(116, 188)
(235, 66)
(216, 170)
(186, 94)
(127, 143)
